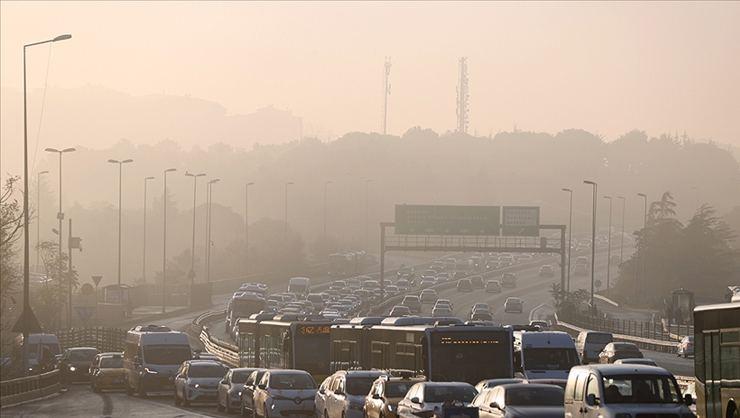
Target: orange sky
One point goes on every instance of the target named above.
(604, 67)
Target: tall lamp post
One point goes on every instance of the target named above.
(367, 212)
(120, 194)
(641, 261)
(164, 241)
(326, 185)
(209, 198)
(192, 247)
(609, 245)
(593, 237)
(27, 315)
(570, 230)
(644, 198)
(286, 210)
(621, 239)
(60, 214)
(38, 214)
(143, 246)
(246, 227)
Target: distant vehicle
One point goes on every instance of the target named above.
(246, 403)
(197, 381)
(106, 372)
(299, 285)
(445, 302)
(386, 393)
(580, 270)
(400, 310)
(540, 323)
(624, 390)
(403, 285)
(426, 397)
(492, 383)
(546, 271)
(464, 285)
(413, 302)
(345, 398)
(480, 307)
(493, 286)
(242, 305)
(583, 261)
(428, 296)
(41, 352)
(544, 355)
(514, 304)
(616, 351)
(686, 346)
(521, 400)
(443, 277)
(477, 282)
(230, 388)
(75, 363)
(371, 284)
(481, 316)
(508, 280)
(152, 356)
(441, 311)
(590, 343)
(287, 392)
(643, 361)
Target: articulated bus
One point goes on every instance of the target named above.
(300, 345)
(441, 353)
(717, 360)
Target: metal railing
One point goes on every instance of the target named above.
(104, 339)
(27, 388)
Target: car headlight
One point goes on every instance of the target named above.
(240, 394)
(72, 368)
(390, 408)
(196, 386)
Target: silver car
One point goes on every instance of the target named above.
(230, 388)
(197, 381)
(520, 400)
(284, 393)
(426, 397)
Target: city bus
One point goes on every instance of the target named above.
(300, 286)
(459, 353)
(242, 305)
(271, 344)
(717, 360)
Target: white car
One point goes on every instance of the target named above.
(197, 381)
(283, 393)
(428, 296)
(427, 397)
(513, 304)
(229, 389)
(345, 398)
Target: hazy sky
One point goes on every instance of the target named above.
(605, 67)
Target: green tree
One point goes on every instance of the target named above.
(11, 229)
(50, 298)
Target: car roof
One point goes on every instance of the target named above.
(626, 369)
(528, 386)
(204, 362)
(461, 384)
(361, 373)
(287, 371)
(82, 348)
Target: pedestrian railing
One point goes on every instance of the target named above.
(27, 388)
(104, 339)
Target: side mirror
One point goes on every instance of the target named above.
(376, 396)
(688, 399)
(222, 382)
(495, 405)
(592, 400)
(415, 400)
(322, 391)
(262, 386)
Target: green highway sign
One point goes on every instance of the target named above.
(447, 220)
(521, 221)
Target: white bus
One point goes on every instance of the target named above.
(299, 286)
(544, 355)
(151, 357)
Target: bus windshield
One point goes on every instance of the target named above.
(456, 357)
(166, 354)
(550, 358)
(313, 355)
(244, 308)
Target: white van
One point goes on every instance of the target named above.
(544, 355)
(611, 391)
(300, 286)
(590, 343)
(152, 356)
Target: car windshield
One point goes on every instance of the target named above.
(534, 396)
(599, 338)
(439, 393)
(291, 381)
(82, 355)
(359, 385)
(111, 363)
(166, 354)
(640, 389)
(206, 370)
(239, 376)
(397, 389)
(550, 358)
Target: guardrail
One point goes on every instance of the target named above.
(642, 342)
(651, 330)
(22, 389)
(104, 339)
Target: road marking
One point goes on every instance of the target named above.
(535, 309)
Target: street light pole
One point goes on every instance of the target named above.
(192, 247)
(60, 214)
(38, 215)
(593, 238)
(644, 198)
(120, 194)
(246, 227)
(570, 230)
(367, 212)
(621, 239)
(609, 245)
(286, 210)
(326, 184)
(27, 312)
(641, 258)
(208, 228)
(143, 260)
(164, 241)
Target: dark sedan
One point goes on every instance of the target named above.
(74, 365)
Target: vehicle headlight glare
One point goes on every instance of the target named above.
(72, 368)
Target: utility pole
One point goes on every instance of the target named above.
(593, 238)
(386, 92)
(641, 259)
(367, 213)
(164, 240)
(143, 246)
(246, 228)
(38, 216)
(120, 193)
(463, 97)
(609, 245)
(192, 247)
(208, 228)
(570, 231)
(285, 234)
(326, 184)
(69, 276)
(621, 239)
